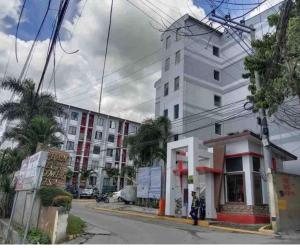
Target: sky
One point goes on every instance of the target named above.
(133, 62)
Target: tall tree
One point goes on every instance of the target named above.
(277, 59)
(41, 130)
(34, 115)
(27, 106)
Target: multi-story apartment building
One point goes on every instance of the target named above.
(95, 142)
(201, 89)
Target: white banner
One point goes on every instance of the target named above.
(155, 182)
(143, 182)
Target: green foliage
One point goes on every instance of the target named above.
(10, 160)
(62, 201)
(34, 113)
(150, 143)
(75, 225)
(112, 172)
(41, 130)
(276, 59)
(48, 197)
(69, 175)
(36, 236)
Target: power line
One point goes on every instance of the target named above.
(17, 30)
(105, 55)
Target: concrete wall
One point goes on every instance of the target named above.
(287, 188)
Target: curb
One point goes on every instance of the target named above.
(187, 221)
(266, 231)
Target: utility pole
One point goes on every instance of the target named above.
(241, 27)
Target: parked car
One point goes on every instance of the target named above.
(86, 193)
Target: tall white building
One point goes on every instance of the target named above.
(201, 88)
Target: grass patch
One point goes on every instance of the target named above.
(75, 225)
(268, 227)
(36, 236)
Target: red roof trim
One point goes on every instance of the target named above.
(253, 154)
(205, 169)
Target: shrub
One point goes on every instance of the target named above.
(62, 201)
(75, 225)
(47, 195)
(36, 236)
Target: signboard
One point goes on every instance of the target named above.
(155, 182)
(149, 182)
(143, 181)
(28, 174)
(56, 169)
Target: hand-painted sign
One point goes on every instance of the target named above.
(56, 169)
(28, 174)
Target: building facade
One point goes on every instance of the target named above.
(201, 89)
(95, 143)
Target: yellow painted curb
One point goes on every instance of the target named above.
(202, 223)
(243, 231)
(266, 231)
(182, 220)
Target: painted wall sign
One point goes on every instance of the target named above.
(155, 182)
(56, 169)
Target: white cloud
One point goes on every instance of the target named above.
(126, 93)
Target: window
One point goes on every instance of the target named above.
(108, 165)
(112, 124)
(178, 36)
(216, 51)
(256, 164)
(175, 137)
(74, 116)
(218, 128)
(70, 145)
(177, 57)
(176, 111)
(109, 152)
(168, 42)
(216, 75)
(234, 164)
(176, 83)
(217, 101)
(95, 165)
(96, 150)
(72, 130)
(257, 184)
(235, 188)
(100, 121)
(93, 180)
(235, 180)
(106, 181)
(166, 89)
(98, 135)
(111, 138)
(166, 113)
(167, 64)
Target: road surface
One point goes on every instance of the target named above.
(111, 228)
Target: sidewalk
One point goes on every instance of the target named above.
(132, 210)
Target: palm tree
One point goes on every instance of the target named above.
(27, 106)
(34, 114)
(41, 130)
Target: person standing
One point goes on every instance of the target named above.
(194, 208)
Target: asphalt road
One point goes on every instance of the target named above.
(111, 228)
